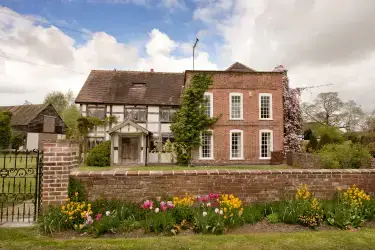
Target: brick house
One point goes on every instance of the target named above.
(250, 104)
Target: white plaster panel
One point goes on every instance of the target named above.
(152, 158)
(165, 128)
(153, 109)
(117, 108)
(32, 141)
(115, 156)
(153, 127)
(153, 117)
(143, 125)
(83, 107)
(115, 140)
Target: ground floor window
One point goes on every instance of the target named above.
(266, 145)
(92, 142)
(206, 149)
(236, 144)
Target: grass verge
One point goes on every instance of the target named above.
(27, 238)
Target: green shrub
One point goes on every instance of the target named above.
(100, 155)
(5, 129)
(161, 222)
(129, 225)
(18, 139)
(208, 222)
(252, 214)
(75, 186)
(371, 148)
(124, 210)
(273, 218)
(53, 220)
(312, 145)
(106, 224)
(335, 134)
(324, 140)
(354, 137)
(181, 213)
(344, 156)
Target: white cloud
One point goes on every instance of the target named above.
(170, 4)
(24, 40)
(320, 42)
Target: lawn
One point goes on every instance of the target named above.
(23, 238)
(175, 167)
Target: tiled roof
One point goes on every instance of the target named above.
(125, 87)
(23, 114)
(239, 67)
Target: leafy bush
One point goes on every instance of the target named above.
(349, 209)
(354, 137)
(100, 155)
(312, 145)
(335, 135)
(252, 214)
(181, 213)
(159, 222)
(124, 210)
(324, 140)
(105, 224)
(371, 148)
(273, 218)
(53, 220)
(76, 187)
(18, 139)
(5, 129)
(344, 156)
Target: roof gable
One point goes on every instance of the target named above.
(128, 123)
(239, 67)
(22, 115)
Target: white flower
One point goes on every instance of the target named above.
(157, 210)
(204, 214)
(221, 212)
(208, 204)
(107, 213)
(216, 210)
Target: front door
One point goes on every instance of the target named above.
(130, 150)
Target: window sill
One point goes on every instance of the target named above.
(264, 158)
(206, 159)
(236, 119)
(236, 159)
(265, 119)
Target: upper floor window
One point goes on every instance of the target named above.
(49, 124)
(166, 114)
(209, 104)
(136, 114)
(266, 144)
(265, 106)
(96, 111)
(236, 145)
(206, 148)
(236, 106)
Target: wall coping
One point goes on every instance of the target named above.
(76, 172)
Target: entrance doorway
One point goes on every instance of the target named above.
(130, 150)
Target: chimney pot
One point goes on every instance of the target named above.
(151, 70)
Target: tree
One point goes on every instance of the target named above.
(70, 117)
(5, 129)
(326, 109)
(27, 102)
(59, 100)
(292, 117)
(191, 119)
(352, 114)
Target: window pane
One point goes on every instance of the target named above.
(236, 106)
(166, 115)
(236, 145)
(265, 147)
(265, 106)
(136, 114)
(98, 112)
(208, 105)
(206, 145)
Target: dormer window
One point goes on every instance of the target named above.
(139, 85)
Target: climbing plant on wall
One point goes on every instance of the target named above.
(191, 119)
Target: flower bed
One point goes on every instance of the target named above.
(209, 214)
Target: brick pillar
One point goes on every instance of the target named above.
(59, 157)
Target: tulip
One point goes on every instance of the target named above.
(107, 213)
(157, 210)
(204, 214)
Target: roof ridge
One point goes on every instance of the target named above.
(237, 63)
(137, 71)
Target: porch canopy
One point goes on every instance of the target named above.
(129, 142)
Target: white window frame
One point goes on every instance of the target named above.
(230, 106)
(211, 148)
(260, 143)
(260, 103)
(211, 96)
(230, 144)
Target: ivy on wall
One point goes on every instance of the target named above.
(191, 119)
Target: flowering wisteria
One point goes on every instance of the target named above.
(292, 115)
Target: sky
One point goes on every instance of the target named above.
(51, 45)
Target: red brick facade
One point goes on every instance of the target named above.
(250, 85)
(249, 185)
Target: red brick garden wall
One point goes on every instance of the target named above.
(249, 185)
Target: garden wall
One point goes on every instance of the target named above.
(303, 160)
(249, 185)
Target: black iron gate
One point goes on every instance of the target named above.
(21, 176)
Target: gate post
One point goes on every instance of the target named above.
(59, 157)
